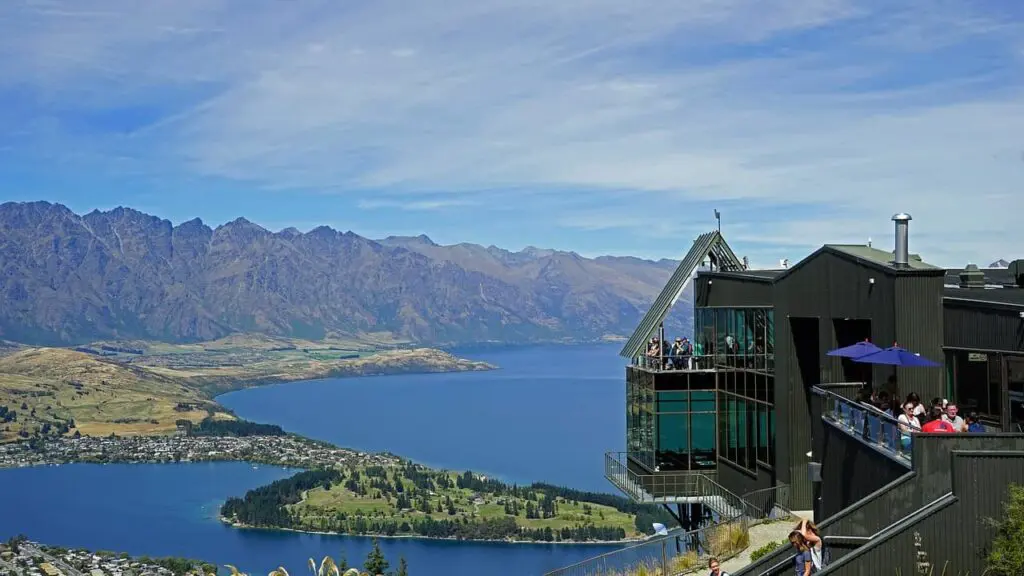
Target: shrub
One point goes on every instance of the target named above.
(764, 551)
(1006, 557)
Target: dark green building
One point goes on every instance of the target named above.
(747, 410)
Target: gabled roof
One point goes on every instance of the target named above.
(876, 256)
(708, 245)
(869, 256)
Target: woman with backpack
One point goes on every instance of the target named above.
(815, 544)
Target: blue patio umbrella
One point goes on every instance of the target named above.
(856, 350)
(896, 356)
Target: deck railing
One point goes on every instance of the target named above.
(704, 362)
(767, 504)
(624, 470)
(869, 425)
(680, 551)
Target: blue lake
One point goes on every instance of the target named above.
(548, 415)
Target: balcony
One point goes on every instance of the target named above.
(629, 473)
(705, 363)
(875, 429)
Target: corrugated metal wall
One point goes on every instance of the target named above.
(741, 482)
(730, 291)
(823, 287)
(954, 537)
(972, 327)
(919, 328)
(851, 472)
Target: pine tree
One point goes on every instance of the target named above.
(375, 562)
(403, 567)
(342, 563)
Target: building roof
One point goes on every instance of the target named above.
(993, 276)
(710, 245)
(759, 275)
(880, 257)
(1013, 297)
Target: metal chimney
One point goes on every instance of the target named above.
(902, 252)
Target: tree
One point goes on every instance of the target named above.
(375, 562)
(403, 567)
(1006, 557)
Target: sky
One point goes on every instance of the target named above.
(598, 126)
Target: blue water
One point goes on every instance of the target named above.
(548, 414)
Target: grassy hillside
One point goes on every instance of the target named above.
(136, 387)
(410, 499)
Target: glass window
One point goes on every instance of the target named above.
(673, 433)
(770, 332)
(749, 328)
(995, 384)
(733, 451)
(737, 330)
(721, 327)
(762, 433)
(741, 433)
(1015, 378)
(674, 401)
(703, 401)
(771, 437)
(702, 427)
(723, 425)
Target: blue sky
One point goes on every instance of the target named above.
(598, 126)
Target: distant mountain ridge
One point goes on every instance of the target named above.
(69, 278)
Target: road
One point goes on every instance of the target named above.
(14, 569)
(57, 563)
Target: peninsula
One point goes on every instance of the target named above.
(404, 499)
(138, 387)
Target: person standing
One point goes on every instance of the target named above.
(716, 568)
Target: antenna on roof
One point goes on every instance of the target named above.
(869, 241)
(718, 217)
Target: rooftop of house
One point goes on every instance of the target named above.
(1005, 296)
(993, 276)
(880, 257)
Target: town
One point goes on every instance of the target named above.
(287, 451)
(21, 557)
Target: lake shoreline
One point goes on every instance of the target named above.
(243, 526)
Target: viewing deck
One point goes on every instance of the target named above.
(870, 426)
(629, 474)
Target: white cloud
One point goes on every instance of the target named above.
(414, 205)
(850, 109)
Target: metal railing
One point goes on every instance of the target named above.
(725, 536)
(767, 504)
(624, 470)
(873, 427)
(669, 363)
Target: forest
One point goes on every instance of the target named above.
(411, 499)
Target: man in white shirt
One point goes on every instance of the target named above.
(953, 418)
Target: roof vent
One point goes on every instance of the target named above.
(972, 277)
(1016, 270)
(902, 253)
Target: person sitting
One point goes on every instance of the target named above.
(954, 419)
(973, 426)
(936, 423)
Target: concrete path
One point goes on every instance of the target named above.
(763, 534)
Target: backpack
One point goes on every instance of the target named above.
(819, 558)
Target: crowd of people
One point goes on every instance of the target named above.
(913, 416)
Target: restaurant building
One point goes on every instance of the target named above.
(757, 406)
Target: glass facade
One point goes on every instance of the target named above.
(671, 429)
(979, 384)
(735, 338)
(746, 418)
(1015, 384)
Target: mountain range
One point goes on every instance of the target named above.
(122, 274)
